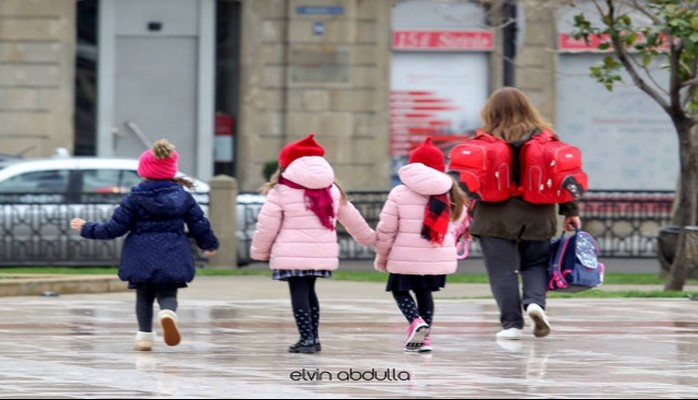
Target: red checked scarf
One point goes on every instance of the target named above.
(437, 216)
(320, 200)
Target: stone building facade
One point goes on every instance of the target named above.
(305, 66)
(37, 52)
(320, 66)
(322, 70)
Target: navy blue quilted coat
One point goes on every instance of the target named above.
(157, 249)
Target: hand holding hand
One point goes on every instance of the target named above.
(76, 224)
(380, 263)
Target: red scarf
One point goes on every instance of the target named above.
(320, 200)
(437, 217)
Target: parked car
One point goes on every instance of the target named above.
(73, 175)
(39, 197)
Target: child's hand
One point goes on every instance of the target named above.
(76, 224)
(380, 263)
(209, 253)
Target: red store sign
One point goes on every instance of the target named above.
(568, 44)
(443, 40)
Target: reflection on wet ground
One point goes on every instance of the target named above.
(81, 346)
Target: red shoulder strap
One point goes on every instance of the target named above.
(482, 135)
(546, 136)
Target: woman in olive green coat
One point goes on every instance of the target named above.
(514, 234)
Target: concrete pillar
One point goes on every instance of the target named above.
(223, 216)
(536, 60)
(496, 79)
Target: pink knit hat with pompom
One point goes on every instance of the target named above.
(159, 162)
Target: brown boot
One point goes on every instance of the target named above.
(170, 331)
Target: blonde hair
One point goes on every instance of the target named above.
(509, 115)
(274, 180)
(457, 198)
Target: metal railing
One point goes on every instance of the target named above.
(35, 231)
(625, 223)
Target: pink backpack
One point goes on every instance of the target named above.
(462, 235)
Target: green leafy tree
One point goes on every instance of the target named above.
(639, 34)
(269, 169)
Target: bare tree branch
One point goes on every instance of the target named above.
(690, 82)
(694, 68)
(639, 7)
(623, 57)
(649, 76)
(690, 86)
(504, 24)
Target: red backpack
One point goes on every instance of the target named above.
(551, 170)
(483, 164)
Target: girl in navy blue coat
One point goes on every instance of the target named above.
(156, 258)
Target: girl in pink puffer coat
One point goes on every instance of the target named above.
(296, 231)
(415, 240)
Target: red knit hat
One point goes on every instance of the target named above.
(429, 155)
(159, 162)
(301, 148)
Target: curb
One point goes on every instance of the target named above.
(53, 285)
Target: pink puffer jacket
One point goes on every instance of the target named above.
(291, 236)
(400, 248)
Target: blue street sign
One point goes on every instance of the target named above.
(320, 10)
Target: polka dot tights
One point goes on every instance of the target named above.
(424, 306)
(306, 307)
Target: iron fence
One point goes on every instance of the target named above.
(35, 231)
(625, 223)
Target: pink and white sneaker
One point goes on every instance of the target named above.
(426, 346)
(416, 333)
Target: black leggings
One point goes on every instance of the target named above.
(424, 307)
(306, 307)
(145, 297)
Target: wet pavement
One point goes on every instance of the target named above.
(236, 331)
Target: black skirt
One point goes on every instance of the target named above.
(418, 283)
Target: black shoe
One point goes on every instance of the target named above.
(303, 347)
